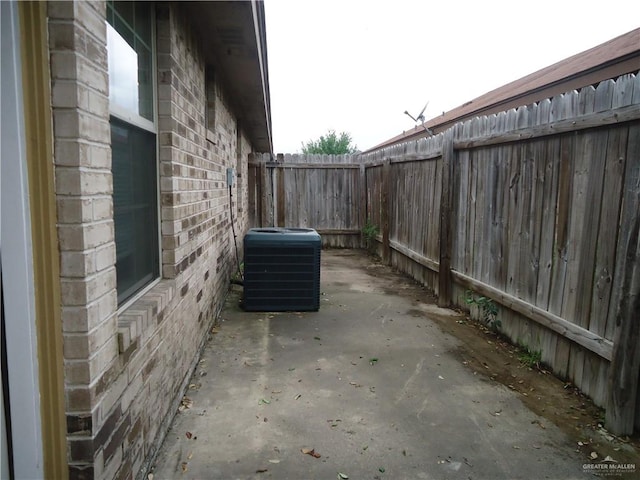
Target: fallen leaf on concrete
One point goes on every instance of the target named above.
(150, 476)
(539, 424)
(275, 460)
(264, 401)
(373, 361)
(381, 469)
(317, 338)
(593, 455)
(185, 466)
(189, 435)
(310, 451)
(440, 377)
(297, 396)
(343, 476)
(185, 404)
(262, 470)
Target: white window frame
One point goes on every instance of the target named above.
(139, 121)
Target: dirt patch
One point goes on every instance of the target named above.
(495, 359)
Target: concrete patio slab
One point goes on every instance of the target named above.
(369, 384)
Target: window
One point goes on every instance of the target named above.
(133, 145)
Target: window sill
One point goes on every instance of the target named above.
(139, 319)
(211, 137)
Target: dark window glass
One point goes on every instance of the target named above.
(135, 208)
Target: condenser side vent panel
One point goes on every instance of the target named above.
(281, 270)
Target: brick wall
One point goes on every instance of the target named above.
(126, 371)
(242, 170)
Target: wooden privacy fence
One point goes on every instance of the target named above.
(536, 208)
(325, 192)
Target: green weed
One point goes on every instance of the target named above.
(530, 358)
(370, 231)
(488, 310)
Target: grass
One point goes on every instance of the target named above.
(530, 358)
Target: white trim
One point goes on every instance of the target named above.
(17, 261)
(156, 116)
(132, 118)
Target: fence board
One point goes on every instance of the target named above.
(624, 309)
(470, 244)
(461, 212)
(446, 223)
(607, 229)
(550, 159)
(253, 195)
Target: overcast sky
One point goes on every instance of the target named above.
(356, 66)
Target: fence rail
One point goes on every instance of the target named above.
(537, 208)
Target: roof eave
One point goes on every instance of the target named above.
(235, 45)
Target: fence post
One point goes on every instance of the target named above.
(446, 221)
(252, 188)
(362, 218)
(386, 211)
(625, 363)
(264, 194)
(280, 200)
